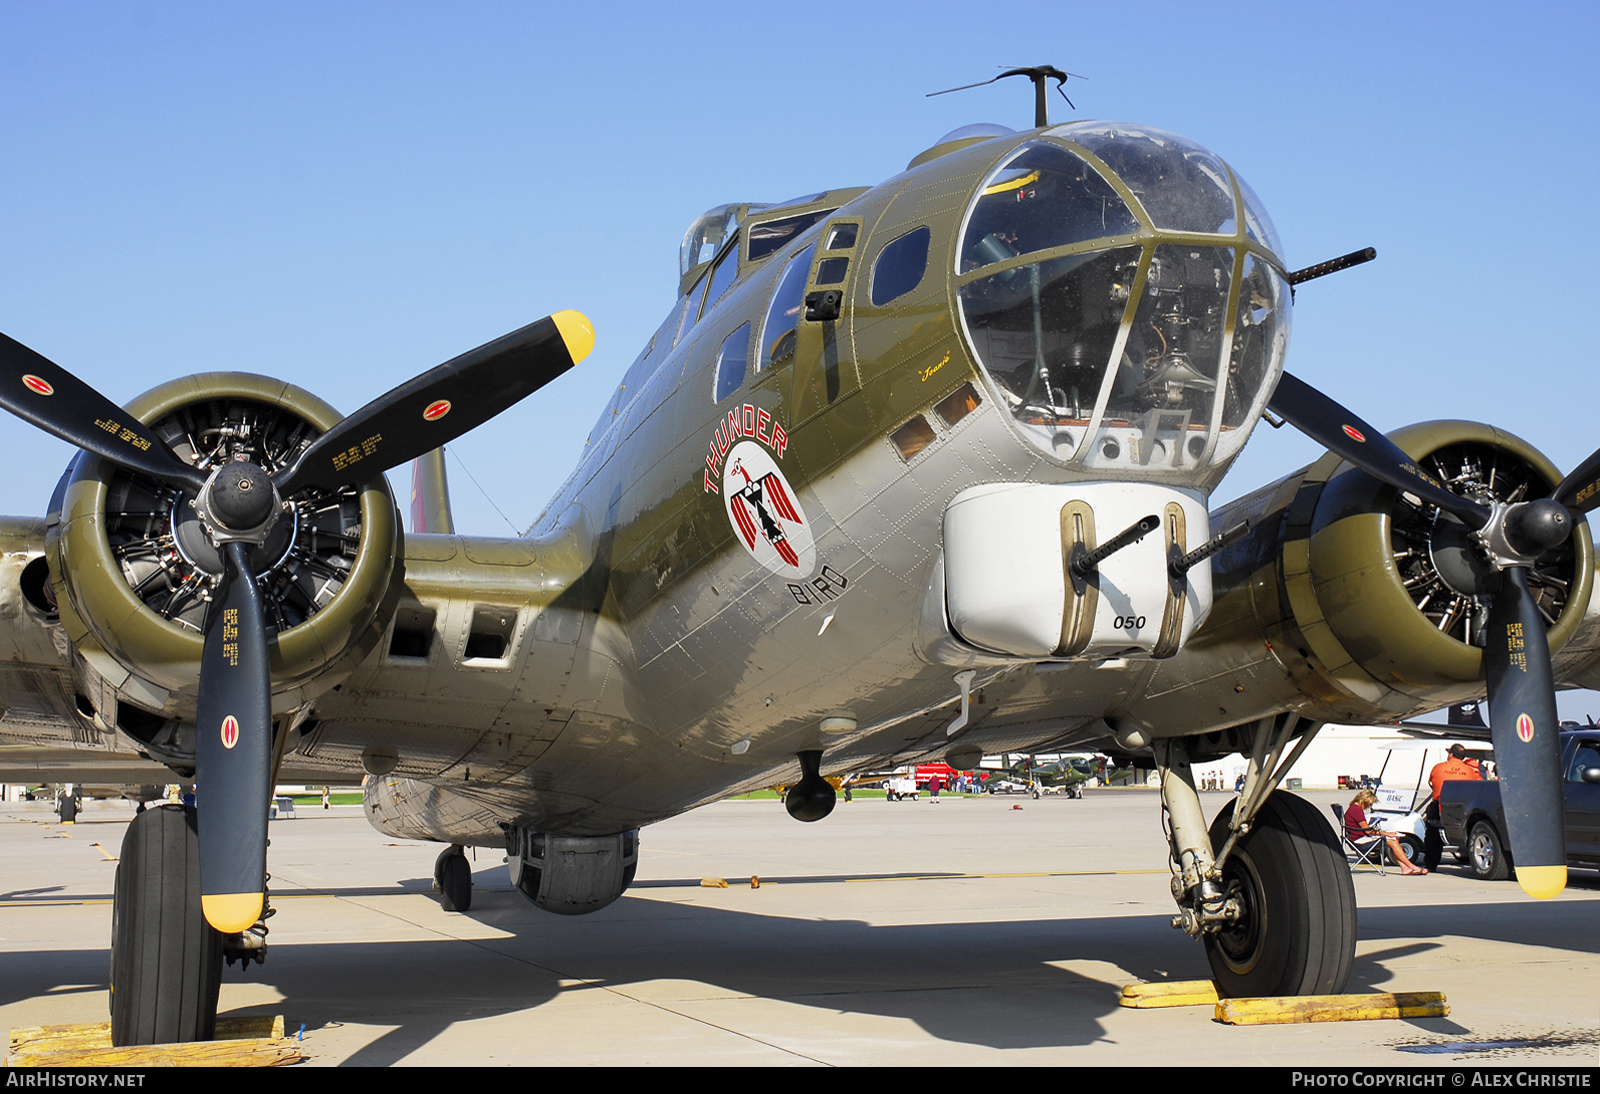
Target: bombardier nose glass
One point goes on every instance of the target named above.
(1181, 185)
(1146, 330)
(1043, 197)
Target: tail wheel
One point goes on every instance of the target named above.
(166, 960)
(454, 875)
(1297, 935)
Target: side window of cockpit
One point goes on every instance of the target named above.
(773, 234)
(900, 266)
(730, 363)
(783, 314)
(691, 309)
(722, 277)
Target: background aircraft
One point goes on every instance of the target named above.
(533, 848)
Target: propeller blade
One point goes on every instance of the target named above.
(38, 390)
(442, 404)
(1341, 432)
(1526, 734)
(233, 754)
(1580, 491)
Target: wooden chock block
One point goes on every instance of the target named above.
(1332, 1008)
(1173, 993)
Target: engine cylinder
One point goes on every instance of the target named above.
(132, 570)
(1380, 582)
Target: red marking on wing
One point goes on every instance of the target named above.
(786, 552)
(780, 500)
(741, 517)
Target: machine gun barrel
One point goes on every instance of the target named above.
(1333, 265)
(1086, 563)
(1185, 563)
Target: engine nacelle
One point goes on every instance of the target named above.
(1382, 599)
(572, 875)
(130, 566)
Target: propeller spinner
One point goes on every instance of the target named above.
(238, 504)
(1516, 653)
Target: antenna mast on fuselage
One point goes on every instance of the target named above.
(1039, 74)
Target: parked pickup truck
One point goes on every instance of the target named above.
(1475, 826)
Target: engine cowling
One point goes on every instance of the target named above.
(1388, 594)
(130, 566)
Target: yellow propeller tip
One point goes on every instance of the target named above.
(231, 913)
(1542, 882)
(577, 332)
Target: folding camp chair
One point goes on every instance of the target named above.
(1368, 853)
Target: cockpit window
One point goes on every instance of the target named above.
(691, 310)
(783, 314)
(1042, 197)
(773, 234)
(722, 277)
(1181, 185)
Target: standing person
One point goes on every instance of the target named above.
(1456, 765)
(1360, 830)
(324, 797)
(934, 785)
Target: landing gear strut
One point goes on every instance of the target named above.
(452, 874)
(166, 960)
(1266, 887)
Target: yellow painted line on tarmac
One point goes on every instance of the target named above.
(1040, 873)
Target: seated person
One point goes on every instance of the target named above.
(1361, 832)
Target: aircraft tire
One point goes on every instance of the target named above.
(69, 809)
(1298, 934)
(455, 881)
(166, 960)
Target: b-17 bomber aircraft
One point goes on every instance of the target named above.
(909, 472)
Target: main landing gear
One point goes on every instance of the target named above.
(452, 876)
(166, 960)
(1266, 887)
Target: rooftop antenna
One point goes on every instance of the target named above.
(1038, 74)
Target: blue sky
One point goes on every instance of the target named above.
(345, 194)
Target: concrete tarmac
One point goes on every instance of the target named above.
(963, 933)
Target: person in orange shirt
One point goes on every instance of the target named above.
(1457, 765)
